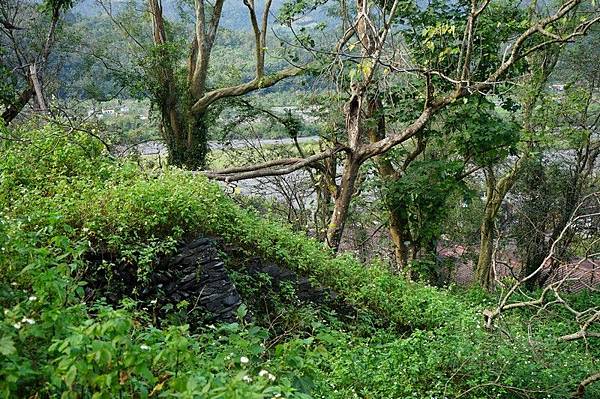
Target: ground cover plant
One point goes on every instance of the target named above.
(299, 199)
(62, 198)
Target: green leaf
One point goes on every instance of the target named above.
(241, 312)
(70, 376)
(7, 346)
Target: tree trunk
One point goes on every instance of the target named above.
(322, 213)
(496, 191)
(398, 216)
(400, 236)
(11, 112)
(186, 137)
(326, 191)
(536, 253)
(342, 202)
(33, 88)
(494, 197)
(484, 271)
(398, 222)
(37, 87)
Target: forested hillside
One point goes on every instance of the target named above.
(299, 199)
(234, 17)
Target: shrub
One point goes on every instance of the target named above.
(62, 197)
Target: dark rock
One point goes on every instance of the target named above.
(206, 242)
(197, 274)
(231, 300)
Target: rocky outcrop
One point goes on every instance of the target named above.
(197, 275)
(193, 285)
(304, 290)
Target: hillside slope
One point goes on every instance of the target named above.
(62, 198)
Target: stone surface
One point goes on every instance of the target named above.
(305, 291)
(197, 274)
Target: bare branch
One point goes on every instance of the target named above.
(584, 384)
(267, 81)
(271, 168)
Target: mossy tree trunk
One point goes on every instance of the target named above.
(397, 213)
(185, 103)
(186, 137)
(484, 270)
(496, 191)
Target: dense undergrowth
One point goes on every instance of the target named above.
(63, 198)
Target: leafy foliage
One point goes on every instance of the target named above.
(480, 134)
(62, 197)
(425, 190)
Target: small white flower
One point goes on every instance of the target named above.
(17, 325)
(267, 375)
(244, 360)
(212, 327)
(247, 379)
(13, 284)
(33, 298)
(28, 320)
(144, 347)
(153, 302)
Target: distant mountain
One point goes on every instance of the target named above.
(234, 15)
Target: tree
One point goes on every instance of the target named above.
(24, 61)
(184, 102)
(541, 67)
(549, 191)
(373, 50)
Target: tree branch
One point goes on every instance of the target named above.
(271, 168)
(584, 384)
(267, 81)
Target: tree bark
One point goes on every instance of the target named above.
(186, 138)
(484, 271)
(397, 221)
(580, 392)
(37, 87)
(494, 197)
(400, 236)
(326, 191)
(496, 191)
(342, 202)
(14, 109)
